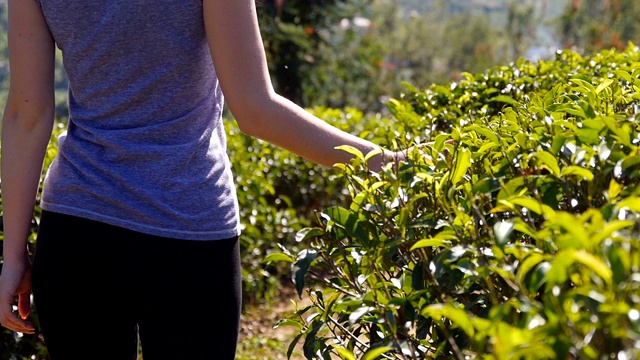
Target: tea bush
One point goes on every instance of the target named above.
(514, 234)
(520, 239)
(278, 193)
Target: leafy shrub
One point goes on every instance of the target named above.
(279, 193)
(518, 241)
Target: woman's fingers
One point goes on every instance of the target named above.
(10, 320)
(15, 282)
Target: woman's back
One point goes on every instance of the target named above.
(145, 148)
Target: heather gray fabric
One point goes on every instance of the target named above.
(145, 147)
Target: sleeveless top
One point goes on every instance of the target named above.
(145, 147)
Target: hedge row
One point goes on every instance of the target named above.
(519, 240)
(515, 234)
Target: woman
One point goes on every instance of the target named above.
(140, 199)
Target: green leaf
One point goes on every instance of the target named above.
(502, 232)
(615, 257)
(375, 353)
(409, 87)
(576, 236)
(565, 258)
(308, 233)
(604, 85)
(593, 124)
(300, 267)
(540, 351)
(577, 171)
(463, 162)
(504, 99)
(576, 110)
(558, 141)
(344, 353)
(288, 323)
(358, 313)
(538, 276)
(624, 75)
(277, 256)
(632, 203)
(351, 150)
(430, 242)
(514, 188)
(371, 154)
(488, 133)
(348, 221)
(486, 186)
(614, 189)
(557, 274)
(441, 139)
(609, 229)
(524, 228)
(529, 263)
(531, 204)
(630, 163)
(311, 340)
(293, 344)
(486, 147)
(596, 265)
(588, 136)
(457, 316)
(522, 139)
(549, 161)
(329, 305)
(622, 135)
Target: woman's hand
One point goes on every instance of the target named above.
(398, 156)
(15, 281)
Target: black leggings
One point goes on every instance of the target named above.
(97, 286)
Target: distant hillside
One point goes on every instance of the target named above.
(551, 8)
(547, 13)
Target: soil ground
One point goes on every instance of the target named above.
(258, 338)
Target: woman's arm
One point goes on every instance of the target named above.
(26, 129)
(240, 61)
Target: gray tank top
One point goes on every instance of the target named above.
(145, 147)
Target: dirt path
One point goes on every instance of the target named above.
(259, 340)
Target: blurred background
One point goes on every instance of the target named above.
(357, 53)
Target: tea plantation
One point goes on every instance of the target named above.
(513, 232)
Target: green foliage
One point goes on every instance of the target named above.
(279, 192)
(437, 40)
(512, 235)
(351, 72)
(292, 32)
